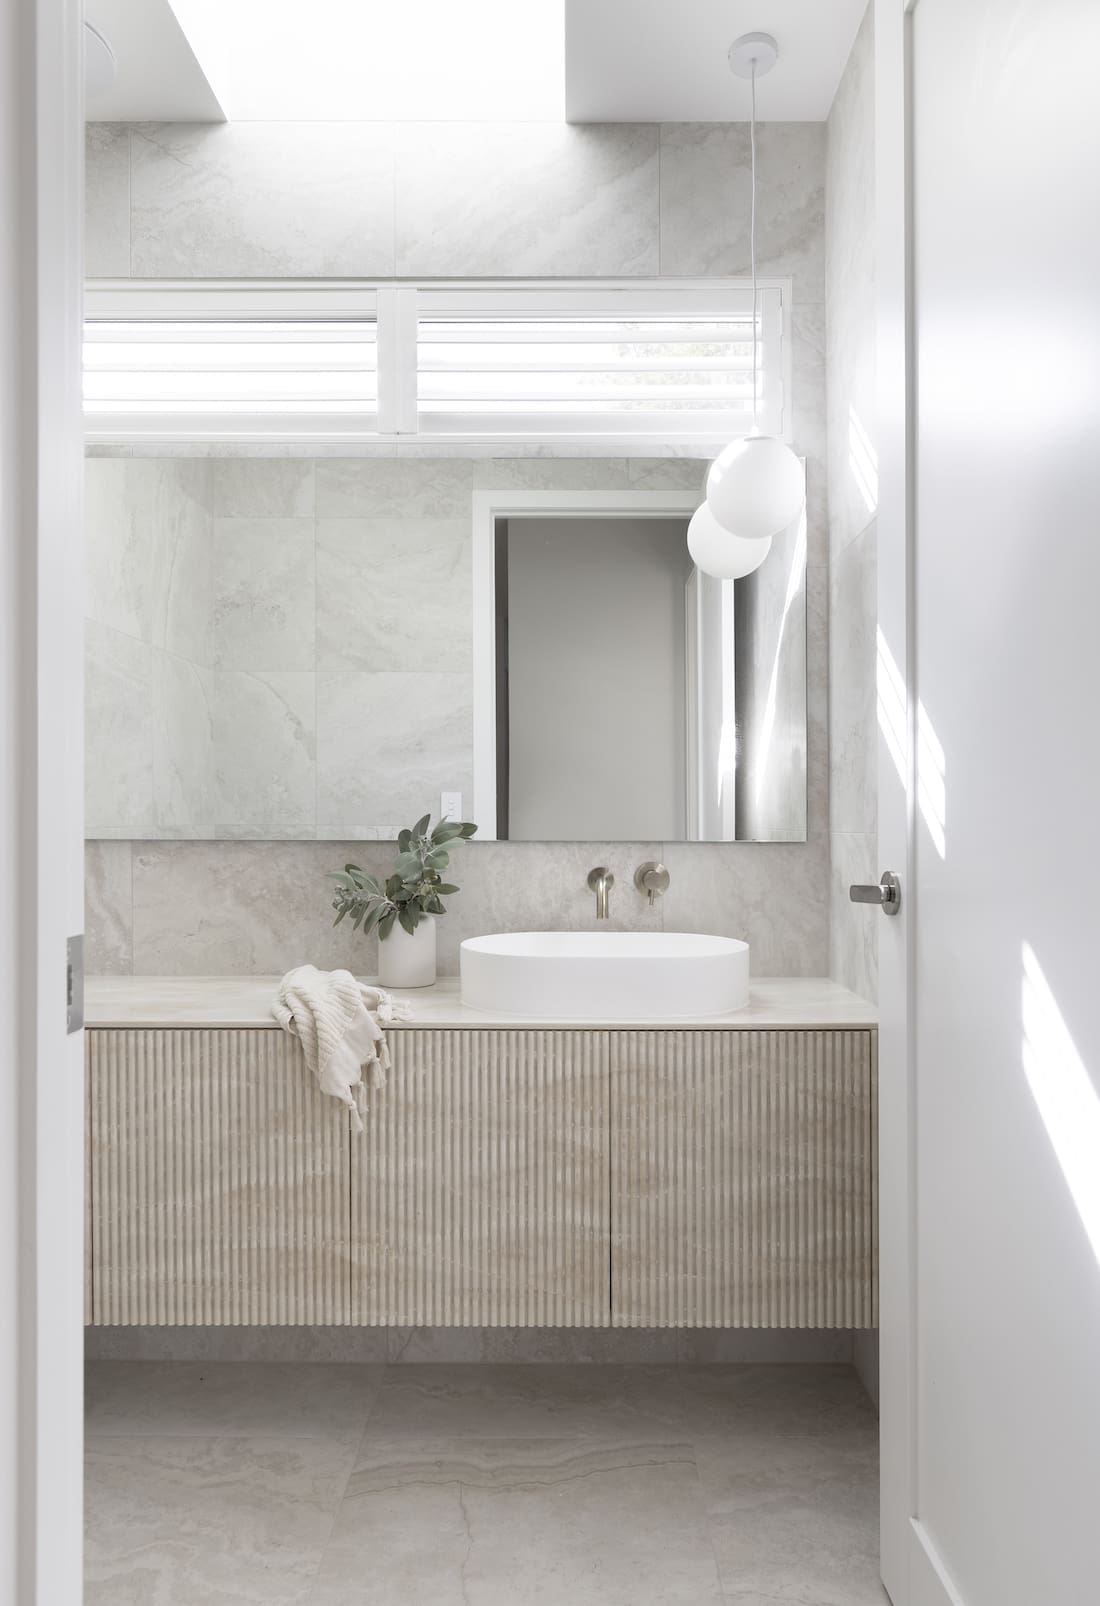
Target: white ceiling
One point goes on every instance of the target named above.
(157, 78)
(665, 60)
(625, 60)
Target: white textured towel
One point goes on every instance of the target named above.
(338, 1022)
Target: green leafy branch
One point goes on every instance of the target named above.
(415, 887)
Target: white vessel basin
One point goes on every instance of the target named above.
(615, 975)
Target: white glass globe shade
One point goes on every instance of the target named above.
(756, 487)
(718, 553)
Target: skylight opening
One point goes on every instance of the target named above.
(365, 61)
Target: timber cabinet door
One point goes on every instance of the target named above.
(742, 1178)
(480, 1187)
(219, 1181)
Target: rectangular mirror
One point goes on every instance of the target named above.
(636, 699)
(330, 648)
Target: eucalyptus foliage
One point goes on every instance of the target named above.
(414, 889)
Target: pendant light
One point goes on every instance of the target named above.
(718, 553)
(755, 487)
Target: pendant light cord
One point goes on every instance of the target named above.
(752, 247)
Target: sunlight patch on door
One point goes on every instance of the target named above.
(1064, 1094)
(893, 722)
(931, 781)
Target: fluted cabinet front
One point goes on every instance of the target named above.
(219, 1181)
(480, 1187)
(743, 1179)
(507, 1177)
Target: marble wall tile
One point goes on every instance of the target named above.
(705, 194)
(240, 200)
(241, 487)
(184, 581)
(853, 495)
(853, 928)
(388, 744)
(244, 908)
(672, 475)
(118, 726)
(108, 909)
(773, 895)
(394, 594)
(817, 700)
(853, 719)
(376, 488)
(552, 474)
(107, 200)
(264, 612)
(119, 583)
(148, 560)
(265, 748)
(808, 420)
(527, 198)
(850, 161)
(183, 736)
(541, 886)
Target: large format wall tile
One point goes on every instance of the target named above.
(260, 487)
(264, 594)
(183, 735)
(243, 908)
(394, 594)
(377, 488)
(108, 909)
(853, 497)
(149, 551)
(389, 744)
(705, 194)
(853, 927)
(527, 198)
(265, 749)
(238, 200)
(118, 726)
(853, 725)
(772, 895)
(107, 201)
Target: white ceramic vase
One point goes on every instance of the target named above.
(405, 961)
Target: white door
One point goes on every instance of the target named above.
(41, 801)
(989, 695)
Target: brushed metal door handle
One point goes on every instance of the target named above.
(886, 893)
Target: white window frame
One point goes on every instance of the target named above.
(398, 307)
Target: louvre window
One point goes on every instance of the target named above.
(621, 364)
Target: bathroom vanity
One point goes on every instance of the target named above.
(513, 1172)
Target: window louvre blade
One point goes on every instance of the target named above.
(226, 376)
(574, 368)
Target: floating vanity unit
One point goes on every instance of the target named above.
(515, 1171)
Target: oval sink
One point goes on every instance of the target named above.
(615, 975)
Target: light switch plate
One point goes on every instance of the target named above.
(450, 805)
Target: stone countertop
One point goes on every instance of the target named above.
(245, 1001)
